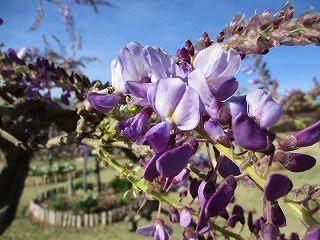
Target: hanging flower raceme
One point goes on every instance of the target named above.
(251, 115)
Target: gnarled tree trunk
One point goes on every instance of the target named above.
(14, 163)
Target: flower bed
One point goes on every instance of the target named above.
(76, 219)
(59, 172)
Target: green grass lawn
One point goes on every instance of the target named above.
(250, 198)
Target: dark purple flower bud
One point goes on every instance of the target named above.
(281, 237)
(227, 168)
(134, 127)
(174, 216)
(224, 214)
(269, 232)
(277, 186)
(158, 137)
(232, 221)
(151, 171)
(185, 217)
(204, 35)
(189, 235)
(220, 37)
(248, 134)
(278, 18)
(173, 161)
(193, 187)
(183, 192)
(295, 162)
(238, 211)
(103, 102)
(222, 197)
(277, 216)
(252, 228)
(313, 233)
(7, 72)
(11, 53)
(184, 55)
(304, 138)
(294, 236)
(216, 133)
(205, 191)
(65, 95)
(188, 44)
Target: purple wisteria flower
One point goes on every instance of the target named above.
(103, 102)
(312, 233)
(295, 162)
(135, 127)
(251, 115)
(178, 109)
(185, 217)
(304, 138)
(277, 186)
(214, 202)
(174, 215)
(213, 77)
(216, 133)
(170, 163)
(269, 232)
(158, 230)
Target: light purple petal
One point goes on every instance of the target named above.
(133, 62)
(169, 92)
(185, 217)
(161, 234)
(160, 62)
(177, 103)
(198, 82)
(138, 89)
(263, 108)
(146, 230)
(186, 115)
(212, 61)
(102, 102)
(116, 77)
(215, 132)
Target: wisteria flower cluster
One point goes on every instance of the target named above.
(190, 100)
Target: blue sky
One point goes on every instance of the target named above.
(167, 23)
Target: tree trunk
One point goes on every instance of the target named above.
(97, 173)
(14, 163)
(84, 174)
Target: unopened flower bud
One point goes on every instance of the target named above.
(278, 18)
(304, 138)
(277, 186)
(269, 232)
(220, 37)
(295, 162)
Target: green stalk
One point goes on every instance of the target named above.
(143, 186)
